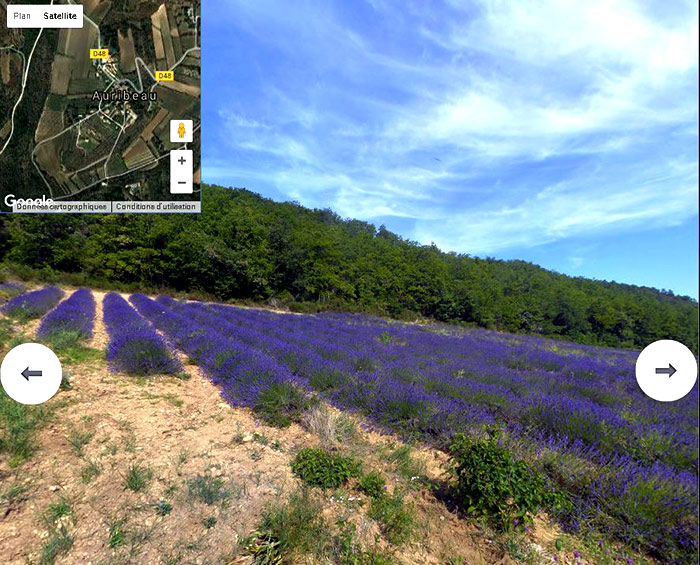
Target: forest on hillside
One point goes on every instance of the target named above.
(247, 247)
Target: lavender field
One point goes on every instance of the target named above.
(628, 464)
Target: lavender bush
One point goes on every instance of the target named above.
(134, 346)
(75, 315)
(33, 304)
(628, 464)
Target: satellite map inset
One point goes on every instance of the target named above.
(92, 113)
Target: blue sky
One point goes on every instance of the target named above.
(562, 133)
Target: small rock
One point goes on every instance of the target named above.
(247, 438)
(54, 488)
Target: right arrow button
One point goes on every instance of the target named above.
(670, 358)
(670, 371)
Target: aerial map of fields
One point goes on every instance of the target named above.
(85, 113)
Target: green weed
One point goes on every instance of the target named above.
(396, 519)
(208, 489)
(137, 477)
(319, 468)
(90, 471)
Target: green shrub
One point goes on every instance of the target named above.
(489, 482)
(319, 468)
(372, 484)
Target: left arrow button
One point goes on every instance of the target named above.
(27, 373)
(24, 362)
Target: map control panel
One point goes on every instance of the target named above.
(99, 112)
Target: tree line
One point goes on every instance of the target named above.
(244, 246)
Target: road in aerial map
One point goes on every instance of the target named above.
(94, 97)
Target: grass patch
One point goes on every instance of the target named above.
(319, 468)
(6, 331)
(57, 510)
(18, 427)
(329, 427)
(396, 518)
(405, 464)
(58, 544)
(280, 404)
(90, 471)
(372, 484)
(79, 439)
(290, 530)
(16, 493)
(69, 346)
(60, 340)
(81, 355)
(349, 551)
(207, 489)
(116, 534)
(169, 397)
(137, 477)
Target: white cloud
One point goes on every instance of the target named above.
(495, 124)
(556, 213)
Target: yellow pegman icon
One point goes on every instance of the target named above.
(181, 130)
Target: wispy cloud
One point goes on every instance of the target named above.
(491, 125)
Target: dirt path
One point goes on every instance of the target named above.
(179, 429)
(182, 434)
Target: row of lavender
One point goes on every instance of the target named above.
(627, 460)
(33, 304)
(75, 315)
(134, 347)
